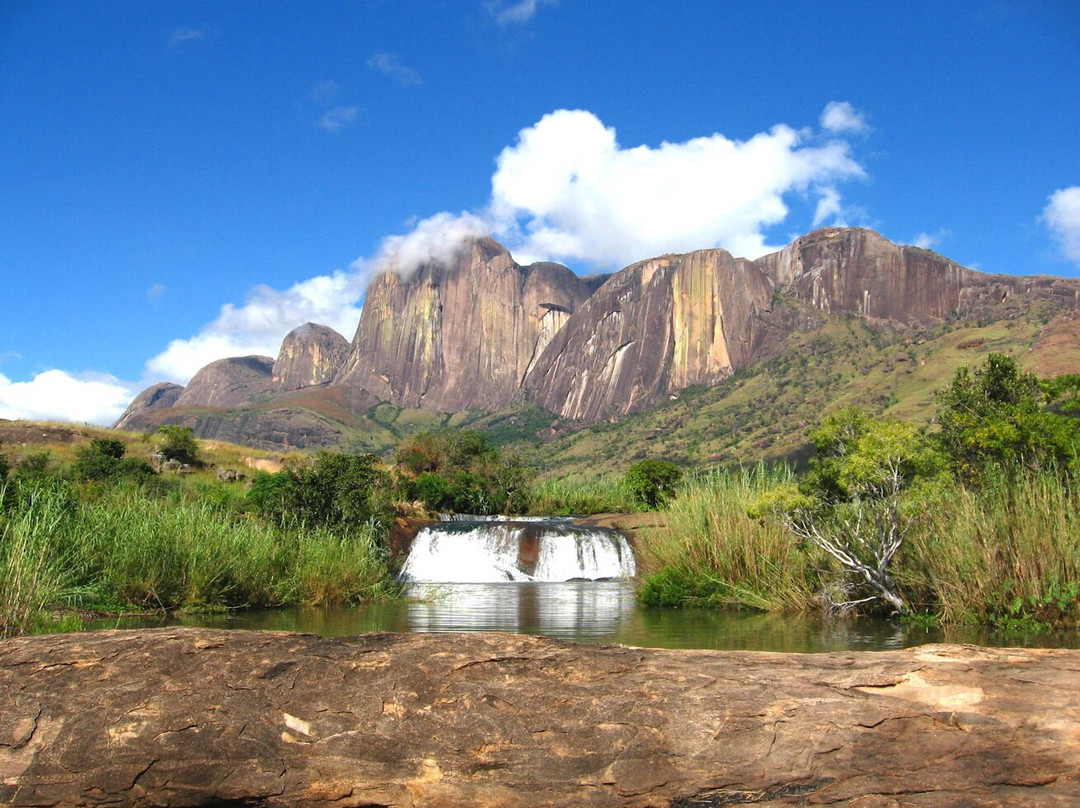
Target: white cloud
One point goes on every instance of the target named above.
(433, 239)
(568, 190)
(517, 13)
(841, 116)
(155, 292)
(931, 241)
(1062, 217)
(188, 34)
(337, 118)
(58, 396)
(324, 92)
(261, 323)
(389, 65)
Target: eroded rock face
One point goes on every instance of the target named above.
(650, 330)
(310, 354)
(857, 271)
(228, 382)
(155, 397)
(459, 336)
(199, 717)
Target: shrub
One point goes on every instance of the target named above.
(652, 482)
(104, 459)
(178, 443)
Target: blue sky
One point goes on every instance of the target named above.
(183, 181)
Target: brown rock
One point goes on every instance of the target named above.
(651, 330)
(856, 271)
(228, 382)
(156, 396)
(310, 354)
(459, 336)
(183, 717)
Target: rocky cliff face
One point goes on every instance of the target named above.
(462, 335)
(158, 396)
(857, 271)
(482, 332)
(310, 354)
(228, 382)
(650, 330)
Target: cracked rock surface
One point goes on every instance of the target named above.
(194, 717)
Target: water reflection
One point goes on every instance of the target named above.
(603, 611)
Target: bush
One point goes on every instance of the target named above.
(652, 482)
(335, 489)
(104, 459)
(178, 443)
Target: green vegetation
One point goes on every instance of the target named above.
(581, 495)
(177, 443)
(461, 471)
(711, 552)
(652, 482)
(972, 523)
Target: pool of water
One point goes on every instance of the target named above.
(596, 611)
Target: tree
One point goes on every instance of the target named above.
(334, 489)
(103, 459)
(852, 503)
(652, 482)
(178, 443)
(996, 418)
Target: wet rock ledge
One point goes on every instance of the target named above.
(186, 717)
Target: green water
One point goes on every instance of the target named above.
(601, 612)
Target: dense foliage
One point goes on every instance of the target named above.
(461, 471)
(997, 417)
(333, 489)
(103, 459)
(653, 482)
(178, 443)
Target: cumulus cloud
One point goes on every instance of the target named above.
(261, 323)
(841, 116)
(1062, 218)
(55, 395)
(568, 190)
(389, 65)
(434, 239)
(337, 118)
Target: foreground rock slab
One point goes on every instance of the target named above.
(186, 717)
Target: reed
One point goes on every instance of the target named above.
(1005, 553)
(119, 548)
(34, 572)
(710, 552)
(578, 496)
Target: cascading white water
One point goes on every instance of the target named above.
(461, 552)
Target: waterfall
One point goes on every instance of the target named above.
(482, 552)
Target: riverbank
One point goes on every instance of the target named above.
(425, 719)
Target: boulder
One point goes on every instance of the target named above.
(185, 717)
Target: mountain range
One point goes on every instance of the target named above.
(537, 352)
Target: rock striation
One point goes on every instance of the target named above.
(228, 382)
(481, 332)
(459, 335)
(310, 354)
(850, 270)
(652, 329)
(155, 397)
(183, 717)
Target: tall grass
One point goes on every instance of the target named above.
(33, 569)
(711, 552)
(126, 549)
(578, 496)
(1009, 550)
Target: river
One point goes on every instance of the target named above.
(556, 580)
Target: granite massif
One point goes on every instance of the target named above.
(480, 332)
